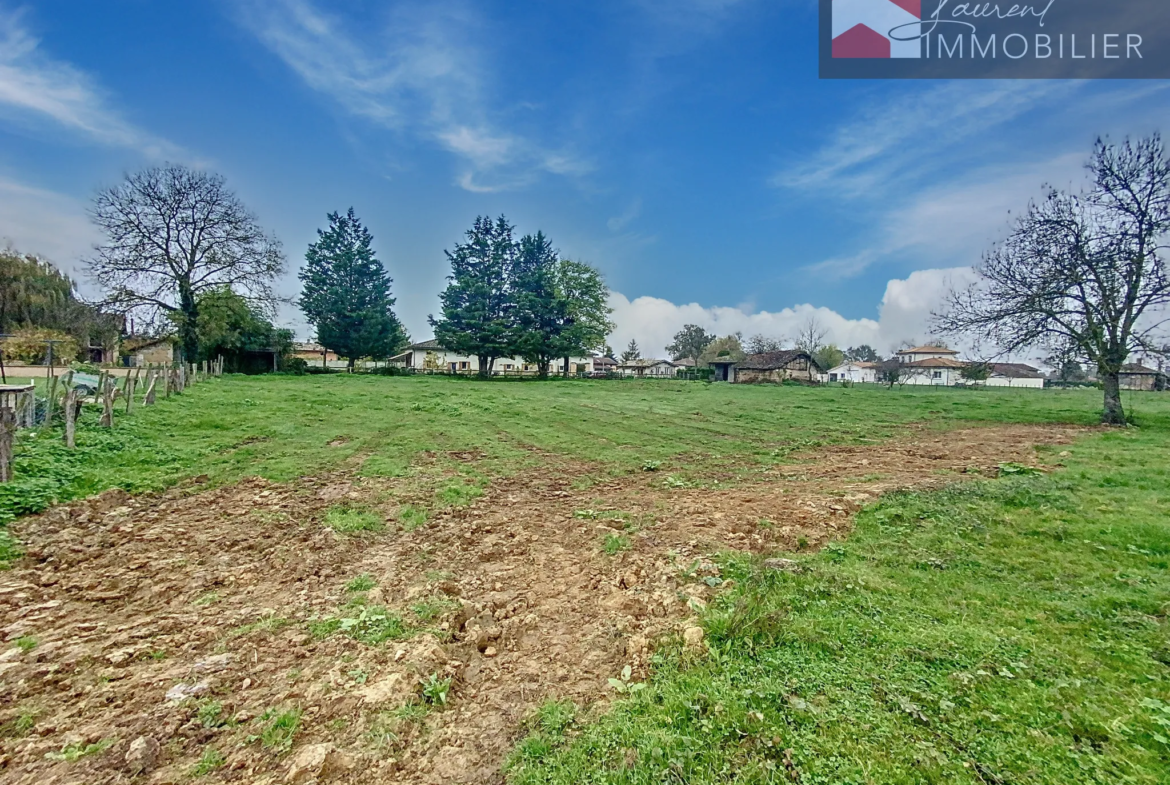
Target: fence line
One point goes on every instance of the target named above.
(18, 403)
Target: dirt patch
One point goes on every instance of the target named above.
(143, 633)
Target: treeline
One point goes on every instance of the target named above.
(505, 297)
(185, 256)
(40, 308)
(693, 342)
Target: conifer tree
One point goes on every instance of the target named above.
(346, 294)
(541, 315)
(478, 307)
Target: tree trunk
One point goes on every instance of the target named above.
(542, 369)
(350, 364)
(188, 329)
(566, 368)
(485, 366)
(1114, 414)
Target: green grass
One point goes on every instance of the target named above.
(279, 729)
(351, 520)
(615, 544)
(211, 760)
(1005, 631)
(71, 753)
(363, 582)
(411, 517)
(282, 427)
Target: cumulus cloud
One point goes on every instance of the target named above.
(903, 315)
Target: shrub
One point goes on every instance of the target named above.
(28, 346)
(296, 366)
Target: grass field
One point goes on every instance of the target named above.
(1003, 631)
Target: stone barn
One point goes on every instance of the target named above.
(776, 367)
(1136, 376)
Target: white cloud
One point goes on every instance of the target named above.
(423, 74)
(34, 87)
(904, 315)
(916, 134)
(958, 221)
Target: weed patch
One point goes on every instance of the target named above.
(344, 519)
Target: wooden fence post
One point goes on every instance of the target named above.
(108, 396)
(70, 412)
(130, 385)
(52, 399)
(7, 436)
(151, 380)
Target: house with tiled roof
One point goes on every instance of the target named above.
(774, 367)
(1014, 375)
(1135, 376)
(431, 357)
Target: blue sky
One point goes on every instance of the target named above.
(685, 147)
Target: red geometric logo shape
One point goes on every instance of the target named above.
(861, 41)
(913, 6)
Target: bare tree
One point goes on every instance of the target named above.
(759, 344)
(172, 233)
(811, 336)
(1081, 274)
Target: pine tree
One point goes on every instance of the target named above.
(346, 294)
(477, 316)
(632, 352)
(541, 313)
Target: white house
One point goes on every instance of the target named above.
(935, 371)
(920, 353)
(430, 356)
(657, 369)
(857, 372)
(1014, 375)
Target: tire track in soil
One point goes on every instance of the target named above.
(224, 582)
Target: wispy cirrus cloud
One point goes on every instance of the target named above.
(421, 73)
(938, 170)
(886, 143)
(36, 88)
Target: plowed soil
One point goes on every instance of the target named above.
(168, 625)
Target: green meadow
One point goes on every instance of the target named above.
(1002, 631)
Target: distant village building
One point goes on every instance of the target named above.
(1136, 376)
(1014, 375)
(657, 369)
(316, 354)
(855, 372)
(774, 367)
(430, 356)
(920, 353)
(140, 352)
(604, 365)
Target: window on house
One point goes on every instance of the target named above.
(938, 374)
(464, 366)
